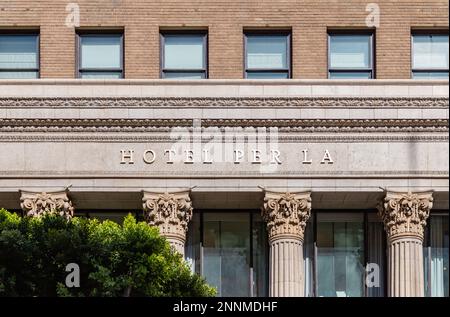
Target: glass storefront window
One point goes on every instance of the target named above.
(436, 256)
(340, 255)
(342, 251)
(230, 250)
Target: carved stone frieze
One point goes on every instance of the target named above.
(219, 102)
(165, 125)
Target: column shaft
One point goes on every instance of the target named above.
(286, 215)
(404, 216)
(405, 268)
(286, 268)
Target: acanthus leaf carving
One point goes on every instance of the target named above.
(286, 214)
(171, 212)
(405, 214)
(37, 204)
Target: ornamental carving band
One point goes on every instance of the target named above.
(39, 204)
(286, 214)
(405, 213)
(170, 212)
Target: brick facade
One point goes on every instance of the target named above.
(225, 20)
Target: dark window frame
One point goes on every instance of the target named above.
(372, 52)
(425, 33)
(32, 32)
(287, 33)
(365, 213)
(99, 33)
(175, 33)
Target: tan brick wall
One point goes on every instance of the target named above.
(225, 20)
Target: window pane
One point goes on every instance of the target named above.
(430, 75)
(430, 51)
(439, 242)
(340, 255)
(260, 257)
(267, 75)
(100, 51)
(267, 51)
(375, 256)
(101, 75)
(350, 51)
(18, 75)
(226, 262)
(350, 75)
(183, 52)
(18, 51)
(183, 75)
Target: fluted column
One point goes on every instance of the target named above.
(37, 204)
(404, 216)
(171, 212)
(286, 215)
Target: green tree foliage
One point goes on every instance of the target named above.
(114, 260)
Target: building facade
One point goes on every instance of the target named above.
(285, 148)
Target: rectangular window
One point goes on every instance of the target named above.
(19, 56)
(184, 55)
(100, 55)
(430, 56)
(267, 55)
(350, 56)
(436, 258)
(341, 251)
(231, 251)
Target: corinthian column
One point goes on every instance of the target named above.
(37, 204)
(171, 213)
(404, 216)
(286, 215)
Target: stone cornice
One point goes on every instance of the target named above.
(220, 102)
(165, 125)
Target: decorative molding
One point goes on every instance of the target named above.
(165, 125)
(37, 204)
(286, 214)
(161, 138)
(171, 212)
(228, 174)
(405, 214)
(221, 102)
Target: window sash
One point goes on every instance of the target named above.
(286, 69)
(166, 70)
(18, 70)
(81, 69)
(415, 68)
(371, 56)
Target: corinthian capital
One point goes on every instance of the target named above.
(405, 214)
(36, 204)
(286, 214)
(171, 212)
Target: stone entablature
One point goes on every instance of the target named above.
(405, 214)
(36, 204)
